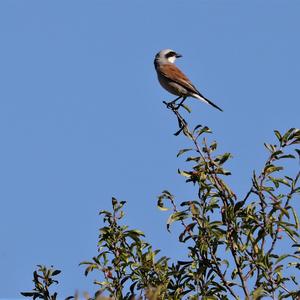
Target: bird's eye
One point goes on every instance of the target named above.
(170, 54)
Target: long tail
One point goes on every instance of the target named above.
(205, 100)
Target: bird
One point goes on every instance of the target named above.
(174, 81)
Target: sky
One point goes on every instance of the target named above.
(82, 119)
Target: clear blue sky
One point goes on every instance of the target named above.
(82, 119)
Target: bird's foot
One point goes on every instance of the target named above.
(172, 105)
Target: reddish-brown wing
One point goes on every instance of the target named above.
(171, 72)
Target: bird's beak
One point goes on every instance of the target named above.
(178, 55)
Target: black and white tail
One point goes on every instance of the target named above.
(205, 100)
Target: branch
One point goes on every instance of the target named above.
(224, 195)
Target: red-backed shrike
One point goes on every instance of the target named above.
(173, 80)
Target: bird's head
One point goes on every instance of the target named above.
(166, 56)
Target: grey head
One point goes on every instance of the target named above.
(166, 56)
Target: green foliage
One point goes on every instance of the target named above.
(43, 279)
(233, 240)
(124, 257)
(233, 243)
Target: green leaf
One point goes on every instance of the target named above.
(139, 232)
(278, 135)
(295, 217)
(30, 294)
(270, 147)
(105, 212)
(224, 158)
(239, 205)
(295, 136)
(114, 201)
(56, 272)
(167, 194)
(297, 190)
(85, 263)
(183, 151)
(286, 156)
(194, 209)
(180, 215)
(291, 233)
(196, 127)
(205, 129)
(271, 169)
(135, 235)
(285, 138)
(160, 204)
(258, 293)
(225, 262)
(186, 108)
(283, 181)
(213, 146)
(282, 257)
(184, 173)
(260, 235)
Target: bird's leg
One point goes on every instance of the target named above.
(181, 121)
(183, 99)
(171, 104)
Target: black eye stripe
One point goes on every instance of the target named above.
(170, 54)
